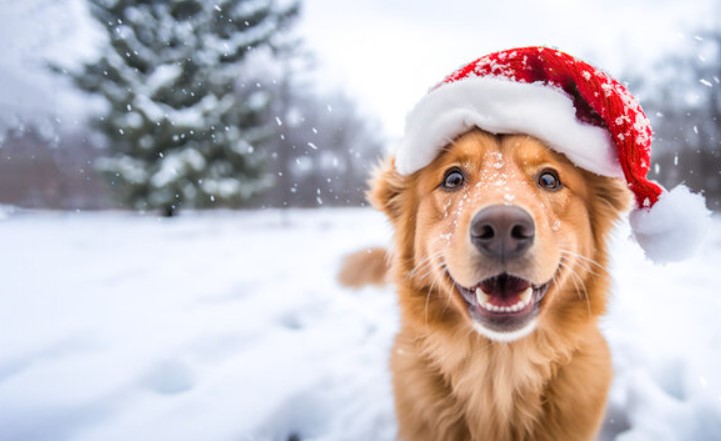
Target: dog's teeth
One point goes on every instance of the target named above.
(526, 295)
(481, 297)
(484, 300)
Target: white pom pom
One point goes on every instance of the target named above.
(674, 227)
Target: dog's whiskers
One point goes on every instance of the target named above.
(431, 289)
(425, 265)
(578, 284)
(584, 261)
(423, 270)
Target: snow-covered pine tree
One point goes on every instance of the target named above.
(185, 122)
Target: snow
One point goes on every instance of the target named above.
(177, 163)
(230, 326)
(673, 227)
(163, 76)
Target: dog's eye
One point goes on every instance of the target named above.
(453, 179)
(548, 180)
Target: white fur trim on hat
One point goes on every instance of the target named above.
(673, 227)
(502, 106)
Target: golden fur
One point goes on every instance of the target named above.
(367, 267)
(453, 383)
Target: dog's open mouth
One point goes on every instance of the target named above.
(503, 303)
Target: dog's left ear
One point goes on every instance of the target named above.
(386, 189)
(615, 195)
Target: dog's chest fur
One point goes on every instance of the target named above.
(476, 389)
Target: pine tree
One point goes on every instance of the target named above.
(185, 121)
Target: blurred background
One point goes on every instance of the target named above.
(161, 106)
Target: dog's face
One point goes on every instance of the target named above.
(500, 232)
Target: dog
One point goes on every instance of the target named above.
(512, 174)
(501, 266)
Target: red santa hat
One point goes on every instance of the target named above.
(578, 111)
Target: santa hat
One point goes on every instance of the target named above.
(578, 111)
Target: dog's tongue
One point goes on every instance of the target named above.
(504, 294)
(504, 287)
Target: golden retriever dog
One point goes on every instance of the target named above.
(511, 175)
(500, 264)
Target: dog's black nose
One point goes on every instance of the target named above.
(502, 232)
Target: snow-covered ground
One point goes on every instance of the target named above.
(230, 326)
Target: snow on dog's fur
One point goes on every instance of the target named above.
(500, 265)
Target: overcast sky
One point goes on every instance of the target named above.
(386, 53)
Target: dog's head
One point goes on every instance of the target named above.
(500, 234)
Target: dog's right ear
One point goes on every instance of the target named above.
(386, 189)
